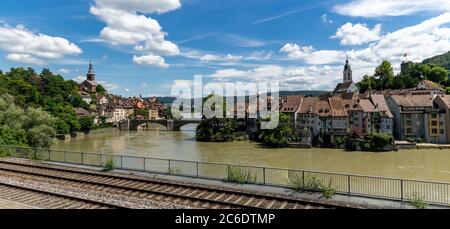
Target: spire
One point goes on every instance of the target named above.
(91, 75)
(347, 65)
(91, 67)
(348, 73)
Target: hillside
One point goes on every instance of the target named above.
(441, 60)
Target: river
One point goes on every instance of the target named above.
(410, 164)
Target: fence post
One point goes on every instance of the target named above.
(401, 191)
(228, 172)
(170, 172)
(82, 158)
(303, 178)
(64, 156)
(121, 162)
(264, 175)
(349, 185)
(144, 164)
(198, 175)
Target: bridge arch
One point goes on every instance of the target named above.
(171, 125)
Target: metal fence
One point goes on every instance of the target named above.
(354, 185)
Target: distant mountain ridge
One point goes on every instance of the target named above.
(169, 100)
(440, 60)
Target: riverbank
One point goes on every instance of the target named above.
(422, 164)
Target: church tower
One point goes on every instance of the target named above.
(348, 73)
(90, 75)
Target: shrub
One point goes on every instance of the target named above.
(379, 141)
(418, 201)
(328, 191)
(241, 176)
(175, 171)
(109, 165)
(312, 184)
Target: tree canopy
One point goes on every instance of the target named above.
(384, 77)
(45, 91)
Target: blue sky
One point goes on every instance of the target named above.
(146, 46)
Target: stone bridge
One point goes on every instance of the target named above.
(171, 125)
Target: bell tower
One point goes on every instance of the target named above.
(348, 73)
(90, 75)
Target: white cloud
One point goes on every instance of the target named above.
(150, 60)
(309, 55)
(79, 79)
(127, 90)
(149, 6)
(64, 71)
(228, 58)
(109, 86)
(259, 56)
(326, 19)
(427, 39)
(241, 41)
(207, 57)
(25, 46)
(357, 34)
(125, 26)
(24, 58)
(290, 78)
(381, 8)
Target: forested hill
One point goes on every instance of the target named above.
(441, 60)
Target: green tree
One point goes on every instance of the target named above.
(438, 75)
(101, 90)
(384, 74)
(366, 84)
(86, 123)
(33, 127)
(280, 136)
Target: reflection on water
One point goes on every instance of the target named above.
(412, 164)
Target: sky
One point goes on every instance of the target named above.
(144, 47)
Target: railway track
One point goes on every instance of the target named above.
(189, 195)
(48, 200)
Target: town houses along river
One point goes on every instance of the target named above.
(410, 164)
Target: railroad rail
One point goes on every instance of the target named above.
(193, 195)
(49, 200)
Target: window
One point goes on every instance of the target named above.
(441, 131)
(434, 131)
(434, 116)
(408, 123)
(408, 131)
(434, 123)
(441, 123)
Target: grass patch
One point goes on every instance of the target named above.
(108, 166)
(175, 171)
(4, 154)
(312, 184)
(418, 201)
(241, 176)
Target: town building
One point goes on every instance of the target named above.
(347, 86)
(291, 108)
(89, 85)
(156, 108)
(443, 102)
(417, 117)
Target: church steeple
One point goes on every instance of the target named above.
(348, 73)
(91, 75)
